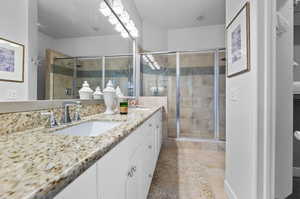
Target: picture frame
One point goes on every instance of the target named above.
(11, 61)
(238, 43)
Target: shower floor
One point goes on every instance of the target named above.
(189, 170)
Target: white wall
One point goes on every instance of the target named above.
(94, 46)
(32, 29)
(45, 42)
(241, 118)
(17, 19)
(154, 38)
(207, 37)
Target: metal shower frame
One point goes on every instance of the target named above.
(216, 91)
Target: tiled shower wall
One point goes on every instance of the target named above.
(118, 69)
(196, 88)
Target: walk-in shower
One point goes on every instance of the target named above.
(194, 83)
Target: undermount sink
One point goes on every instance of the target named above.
(94, 128)
(142, 108)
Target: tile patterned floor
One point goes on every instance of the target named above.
(189, 170)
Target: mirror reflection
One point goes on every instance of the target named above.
(78, 43)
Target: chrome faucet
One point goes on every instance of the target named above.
(65, 119)
(51, 121)
(77, 111)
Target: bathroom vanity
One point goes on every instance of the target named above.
(53, 163)
(124, 172)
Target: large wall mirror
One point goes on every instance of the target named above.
(82, 41)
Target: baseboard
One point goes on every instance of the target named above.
(296, 171)
(229, 191)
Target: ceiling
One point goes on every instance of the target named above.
(72, 18)
(172, 14)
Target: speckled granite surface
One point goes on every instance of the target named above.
(37, 164)
(21, 121)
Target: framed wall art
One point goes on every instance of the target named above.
(11, 61)
(238, 43)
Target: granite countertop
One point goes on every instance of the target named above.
(37, 164)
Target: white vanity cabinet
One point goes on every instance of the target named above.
(126, 171)
(85, 186)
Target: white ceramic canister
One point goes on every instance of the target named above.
(85, 92)
(110, 96)
(97, 94)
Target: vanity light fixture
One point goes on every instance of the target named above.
(124, 17)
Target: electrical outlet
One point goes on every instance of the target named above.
(234, 94)
(11, 94)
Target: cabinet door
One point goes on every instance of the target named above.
(85, 186)
(159, 128)
(134, 182)
(158, 133)
(112, 169)
(148, 159)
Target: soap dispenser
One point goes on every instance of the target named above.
(85, 92)
(110, 98)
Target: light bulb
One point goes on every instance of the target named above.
(104, 9)
(130, 25)
(119, 27)
(156, 65)
(151, 58)
(124, 34)
(118, 7)
(113, 20)
(151, 66)
(134, 33)
(125, 17)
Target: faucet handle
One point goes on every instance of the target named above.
(77, 111)
(52, 121)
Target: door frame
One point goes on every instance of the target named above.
(267, 92)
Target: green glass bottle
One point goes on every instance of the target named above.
(124, 107)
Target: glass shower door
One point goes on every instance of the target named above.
(119, 69)
(158, 78)
(194, 83)
(90, 70)
(197, 95)
(62, 78)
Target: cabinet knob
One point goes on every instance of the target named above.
(150, 176)
(130, 174)
(150, 125)
(150, 146)
(133, 169)
(157, 126)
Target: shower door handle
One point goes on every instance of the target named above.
(297, 135)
